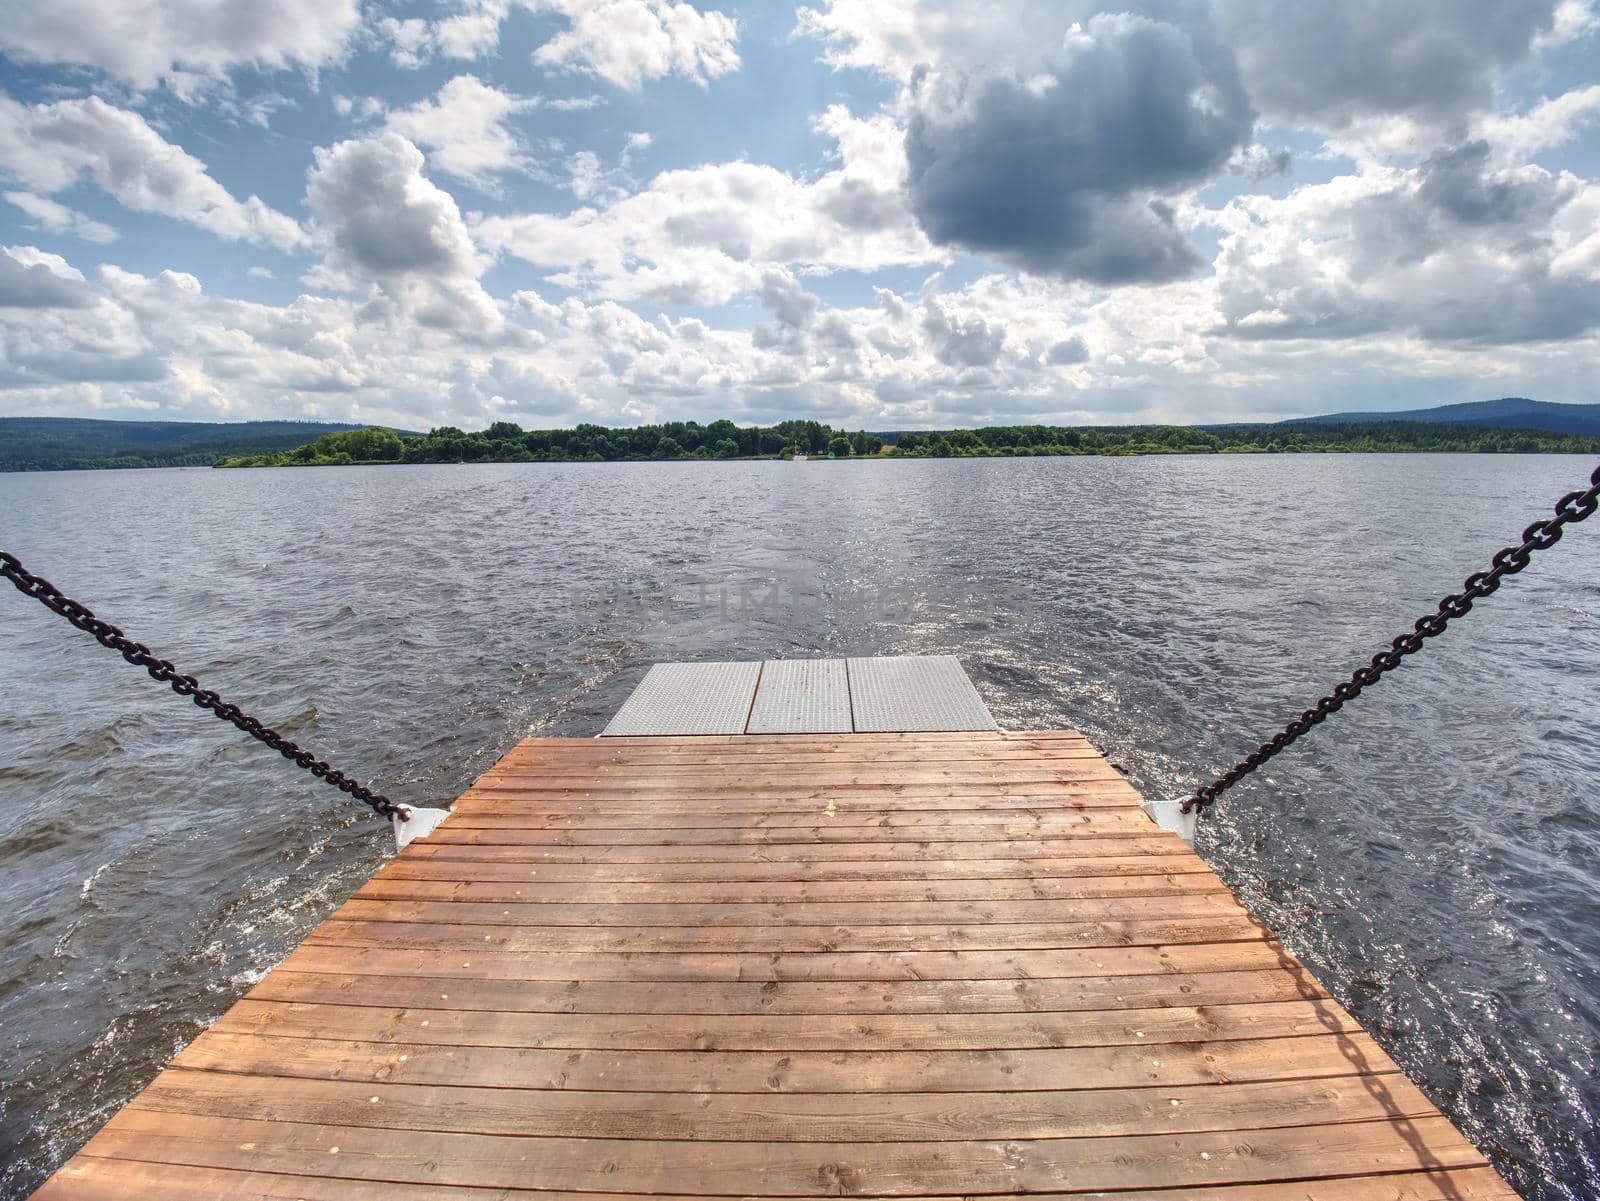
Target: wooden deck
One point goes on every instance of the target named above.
(930, 965)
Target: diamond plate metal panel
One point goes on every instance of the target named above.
(689, 698)
(911, 694)
(802, 696)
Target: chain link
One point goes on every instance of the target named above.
(1541, 535)
(163, 670)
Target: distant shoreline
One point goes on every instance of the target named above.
(886, 458)
(724, 441)
(81, 444)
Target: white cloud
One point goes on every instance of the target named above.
(631, 41)
(362, 108)
(706, 234)
(465, 129)
(573, 104)
(1549, 124)
(1574, 19)
(896, 36)
(57, 218)
(472, 32)
(1454, 250)
(49, 147)
(585, 175)
(1330, 65)
(410, 40)
(1443, 264)
(1002, 348)
(143, 42)
(384, 228)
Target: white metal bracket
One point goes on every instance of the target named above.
(1169, 815)
(417, 823)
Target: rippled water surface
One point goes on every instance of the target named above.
(1433, 852)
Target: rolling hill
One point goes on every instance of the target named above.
(1509, 412)
(73, 443)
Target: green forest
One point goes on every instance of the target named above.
(504, 442)
(76, 444)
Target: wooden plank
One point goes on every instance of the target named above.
(1062, 823)
(762, 774)
(91, 1178)
(1041, 783)
(847, 1117)
(461, 910)
(839, 966)
(1302, 1057)
(469, 864)
(433, 884)
(438, 844)
(933, 966)
(759, 753)
(1033, 821)
(757, 813)
(790, 997)
(764, 1032)
(536, 940)
(782, 1169)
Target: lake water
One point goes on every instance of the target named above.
(1433, 852)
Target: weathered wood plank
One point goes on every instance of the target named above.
(800, 788)
(91, 1178)
(818, 1032)
(786, 1169)
(465, 864)
(936, 965)
(775, 940)
(1165, 1065)
(516, 912)
(791, 1117)
(481, 830)
(791, 997)
(438, 882)
(805, 852)
(755, 812)
(780, 776)
(483, 964)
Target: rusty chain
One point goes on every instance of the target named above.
(163, 670)
(1572, 508)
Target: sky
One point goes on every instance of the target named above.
(883, 214)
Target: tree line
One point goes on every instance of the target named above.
(1282, 438)
(505, 442)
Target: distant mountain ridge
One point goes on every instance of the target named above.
(1509, 412)
(75, 443)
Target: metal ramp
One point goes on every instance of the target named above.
(891, 695)
(802, 696)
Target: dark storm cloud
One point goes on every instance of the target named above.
(1458, 182)
(1060, 171)
(1330, 63)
